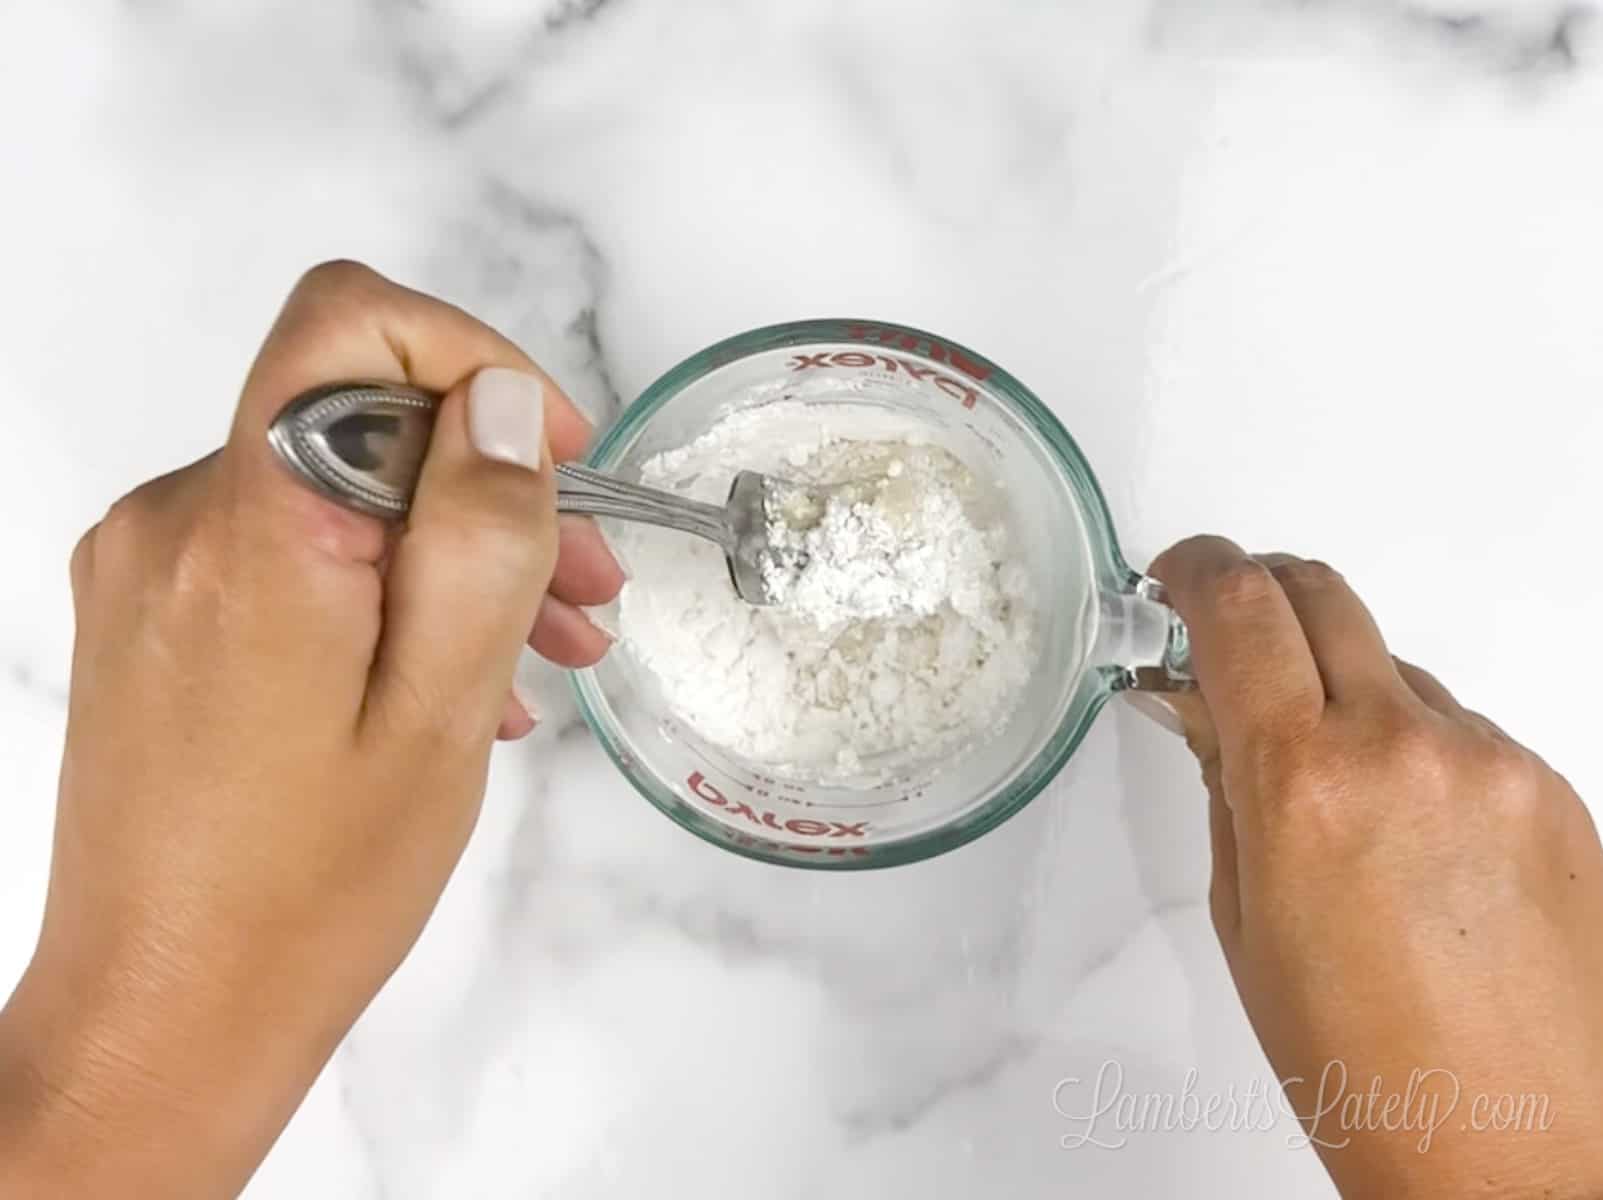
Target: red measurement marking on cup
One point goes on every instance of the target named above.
(894, 364)
(920, 343)
(735, 837)
(703, 789)
(766, 786)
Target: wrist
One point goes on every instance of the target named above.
(56, 1105)
(133, 1080)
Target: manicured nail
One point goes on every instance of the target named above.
(601, 619)
(506, 416)
(623, 571)
(525, 698)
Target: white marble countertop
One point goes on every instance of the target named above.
(1321, 277)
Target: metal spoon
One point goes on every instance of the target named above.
(362, 445)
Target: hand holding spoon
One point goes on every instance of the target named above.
(362, 445)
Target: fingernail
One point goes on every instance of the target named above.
(525, 698)
(506, 416)
(1157, 710)
(623, 571)
(601, 619)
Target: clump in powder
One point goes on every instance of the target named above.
(888, 544)
(905, 623)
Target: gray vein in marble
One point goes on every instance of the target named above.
(1108, 955)
(483, 1014)
(571, 12)
(431, 72)
(542, 220)
(532, 270)
(23, 677)
(1552, 38)
(367, 1144)
(1553, 43)
(863, 1125)
(704, 923)
(586, 327)
(457, 89)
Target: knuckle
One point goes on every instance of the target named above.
(472, 549)
(1313, 810)
(1293, 773)
(1336, 791)
(1509, 777)
(1223, 909)
(125, 524)
(336, 277)
(79, 563)
(1242, 584)
(338, 273)
(1294, 717)
(1419, 681)
(501, 545)
(1404, 750)
(1310, 574)
(424, 713)
(1195, 546)
(1331, 796)
(195, 572)
(147, 541)
(1184, 564)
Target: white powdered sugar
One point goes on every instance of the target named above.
(894, 543)
(907, 630)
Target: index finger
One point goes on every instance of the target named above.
(1253, 663)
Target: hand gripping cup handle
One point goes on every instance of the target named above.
(1144, 639)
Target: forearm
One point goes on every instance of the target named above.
(110, 1091)
(72, 1126)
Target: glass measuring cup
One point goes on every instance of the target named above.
(1102, 627)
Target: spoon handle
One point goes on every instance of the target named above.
(582, 490)
(362, 445)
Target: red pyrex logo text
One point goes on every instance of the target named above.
(703, 789)
(903, 339)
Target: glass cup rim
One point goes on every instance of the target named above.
(1111, 573)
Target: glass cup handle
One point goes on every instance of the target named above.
(1150, 650)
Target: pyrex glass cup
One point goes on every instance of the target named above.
(1102, 628)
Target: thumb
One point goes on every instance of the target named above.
(466, 578)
